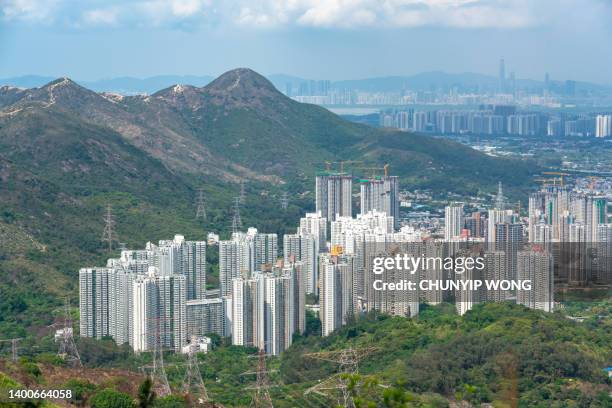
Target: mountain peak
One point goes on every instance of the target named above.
(241, 85)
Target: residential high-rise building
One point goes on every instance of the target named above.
(204, 317)
(315, 224)
(94, 304)
(381, 194)
(603, 126)
(159, 316)
(509, 238)
(263, 312)
(453, 221)
(303, 248)
(334, 195)
(536, 267)
(336, 298)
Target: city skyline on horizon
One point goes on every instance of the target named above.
(308, 39)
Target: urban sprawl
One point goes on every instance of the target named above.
(157, 296)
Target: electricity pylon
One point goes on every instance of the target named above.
(284, 201)
(193, 386)
(242, 193)
(200, 205)
(500, 200)
(109, 222)
(236, 219)
(159, 377)
(67, 347)
(261, 397)
(14, 348)
(348, 361)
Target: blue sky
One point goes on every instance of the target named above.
(334, 39)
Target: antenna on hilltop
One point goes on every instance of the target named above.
(67, 347)
(236, 220)
(200, 205)
(109, 222)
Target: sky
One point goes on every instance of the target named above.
(318, 39)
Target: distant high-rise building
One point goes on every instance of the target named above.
(336, 293)
(381, 194)
(334, 195)
(315, 224)
(159, 312)
(263, 312)
(502, 75)
(419, 121)
(603, 127)
(204, 317)
(536, 267)
(453, 221)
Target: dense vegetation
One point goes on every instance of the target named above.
(501, 354)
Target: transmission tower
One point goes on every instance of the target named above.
(159, 377)
(109, 223)
(500, 200)
(348, 360)
(236, 220)
(284, 201)
(261, 397)
(67, 348)
(14, 348)
(200, 205)
(242, 193)
(193, 386)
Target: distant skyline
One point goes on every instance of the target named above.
(315, 39)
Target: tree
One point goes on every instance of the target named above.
(109, 398)
(146, 395)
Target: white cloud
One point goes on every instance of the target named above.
(28, 10)
(391, 13)
(101, 16)
(342, 14)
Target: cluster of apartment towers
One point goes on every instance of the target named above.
(157, 296)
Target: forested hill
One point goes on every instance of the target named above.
(67, 152)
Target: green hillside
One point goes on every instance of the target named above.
(67, 152)
(503, 355)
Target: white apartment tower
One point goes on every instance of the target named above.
(453, 221)
(333, 195)
(381, 194)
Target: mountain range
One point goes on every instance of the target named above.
(424, 81)
(67, 152)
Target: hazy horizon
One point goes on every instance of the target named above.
(311, 39)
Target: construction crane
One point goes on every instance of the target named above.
(329, 164)
(547, 181)
(384, 170)
(557, 173)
